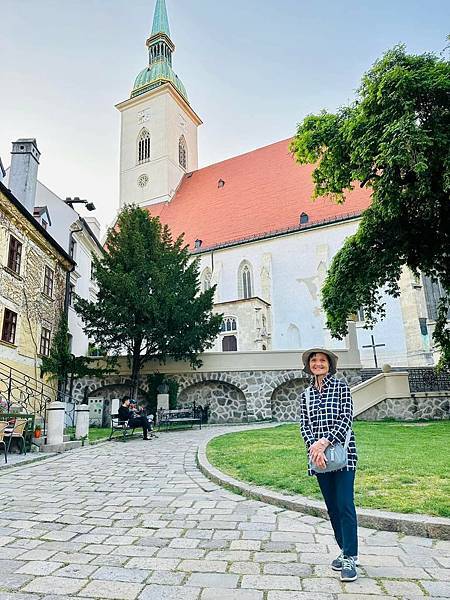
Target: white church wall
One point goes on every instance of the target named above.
(390, 332)
(149, 113)
(298, 264)
(180, 124)
(166, 120)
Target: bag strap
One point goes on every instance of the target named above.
(347, 438)
(307, 398)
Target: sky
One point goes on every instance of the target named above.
(253, 70)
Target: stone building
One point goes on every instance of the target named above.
(77, 235)
(33, 273)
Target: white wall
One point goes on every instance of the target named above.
(62, 218)
(166, 121)
(61, 215)
(298, 264)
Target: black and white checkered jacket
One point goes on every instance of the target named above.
(331, 414)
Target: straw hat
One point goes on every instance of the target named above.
(332, 358)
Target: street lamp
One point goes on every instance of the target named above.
(76, 200)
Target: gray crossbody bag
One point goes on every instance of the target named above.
(336, 455)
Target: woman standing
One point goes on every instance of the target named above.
(326, 421)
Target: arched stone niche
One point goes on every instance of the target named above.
(285, 400)
(227, 403)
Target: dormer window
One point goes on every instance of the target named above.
(304, 218)
(198, 243)
(220, 183)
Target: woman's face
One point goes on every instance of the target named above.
(319, 364)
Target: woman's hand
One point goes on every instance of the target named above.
(317, 452)
(319, 460)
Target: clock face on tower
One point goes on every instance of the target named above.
(143, 116)
(142, 180)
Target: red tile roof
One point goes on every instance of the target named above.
(265, 190)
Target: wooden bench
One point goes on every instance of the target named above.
(189, 416)
(122, 426)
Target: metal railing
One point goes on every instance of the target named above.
(421, 379)
(428, 380)
(20, 392)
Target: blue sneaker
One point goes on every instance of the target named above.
(348, 571)
(336, 564)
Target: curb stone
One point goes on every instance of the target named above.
(409, 524)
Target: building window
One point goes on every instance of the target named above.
(360, 315)
(245, 283)
(182, 152)
(229, 343)
(304, 218)
(44, 349)
(14, 254)
(70, 341)
(71, 293)
(228, 324)
(48, 281)
(9, 326)
(144, 146)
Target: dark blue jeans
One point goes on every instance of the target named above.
(337, 491)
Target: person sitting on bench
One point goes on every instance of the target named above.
(134, 420)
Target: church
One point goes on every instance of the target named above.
(252, 224)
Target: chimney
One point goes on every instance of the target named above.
(23, 171)
(94, 225)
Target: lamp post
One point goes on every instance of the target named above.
(76, 200)
(89, 206)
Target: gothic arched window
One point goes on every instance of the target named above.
(182, 152)
(143, 150)
(228, 324)
(245, 280)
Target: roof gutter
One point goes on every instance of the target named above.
(278, 233)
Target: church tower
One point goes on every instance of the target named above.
(158, 126)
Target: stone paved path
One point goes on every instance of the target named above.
(137, 520)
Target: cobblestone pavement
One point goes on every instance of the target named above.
(137, 520)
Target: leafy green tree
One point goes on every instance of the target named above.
(149, 303)
(393, 139)
(61, 365)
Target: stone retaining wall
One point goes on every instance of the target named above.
(422, 405)
(233, 396)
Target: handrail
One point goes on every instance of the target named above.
(28, 393)
(20, 373)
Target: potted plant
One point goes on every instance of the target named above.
(37, 431)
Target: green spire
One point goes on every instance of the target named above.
(160, 20)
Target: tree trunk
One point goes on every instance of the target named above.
(135, 368)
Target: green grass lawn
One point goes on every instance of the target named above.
(403, 467)
(95, 433)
